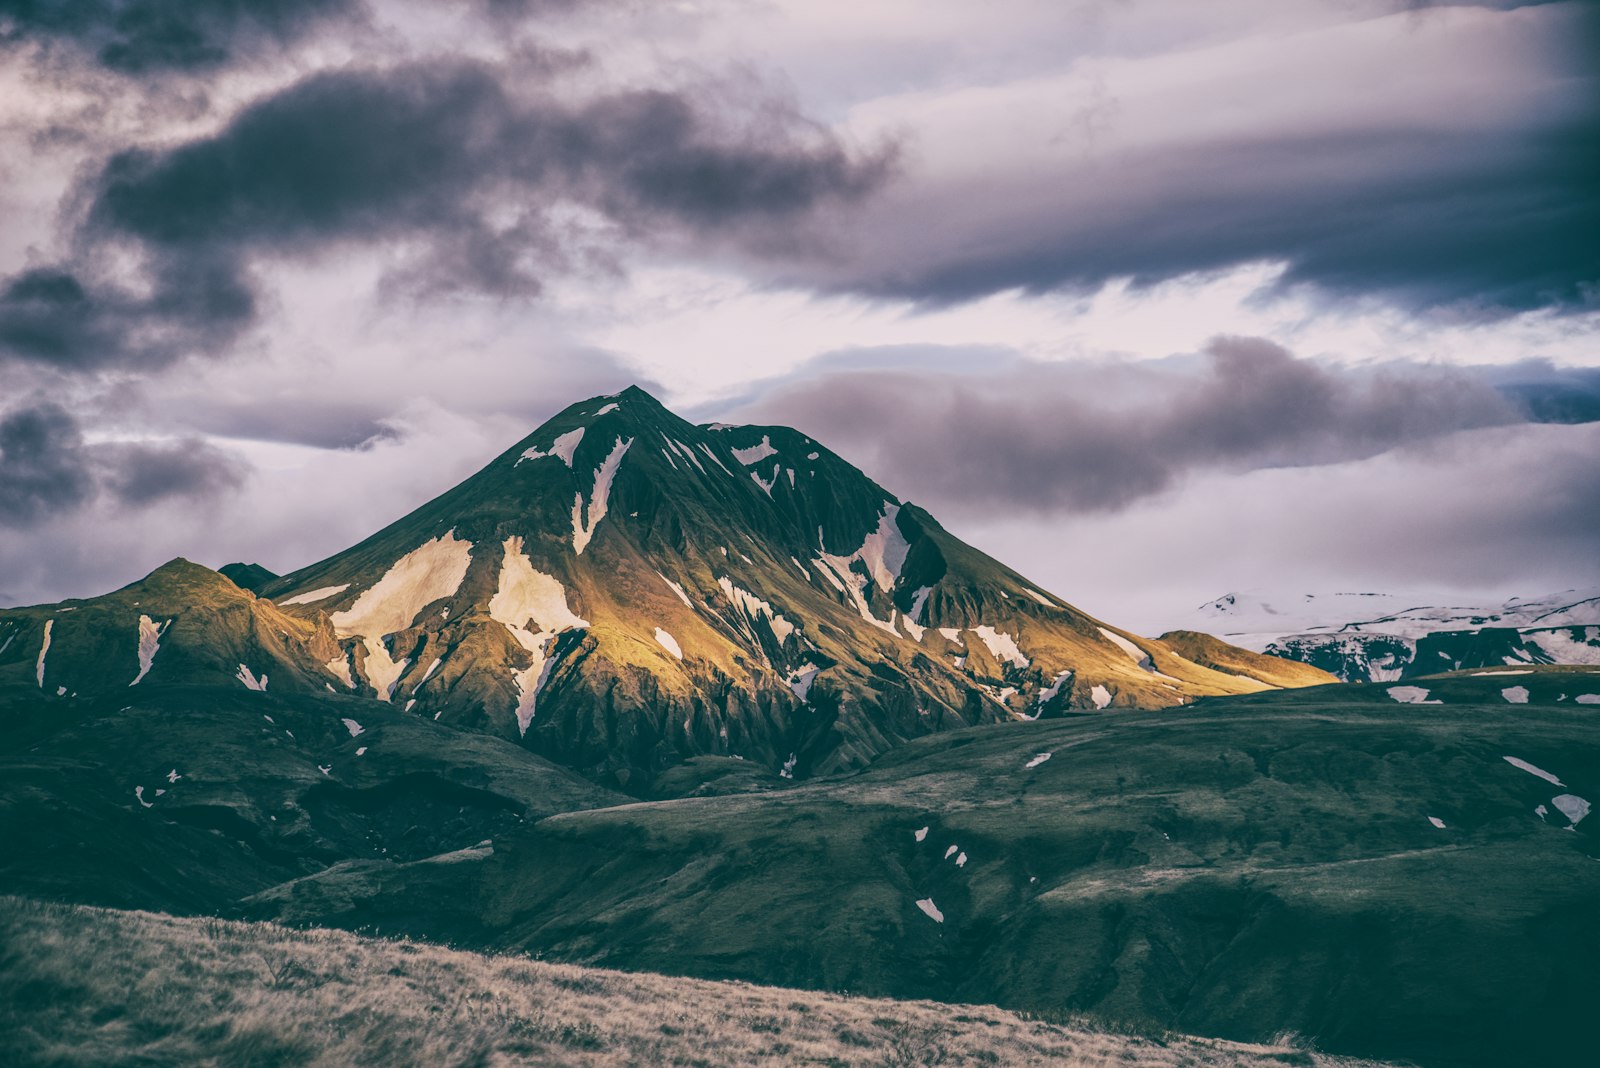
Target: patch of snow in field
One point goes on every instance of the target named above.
(326, 769)
(1572, 806)
(961, 860)
(1516, 695)
(248, 677)
(149, 642)
(1411, 695)
(787, 771)
(1039, 758)
(1588, 699)
(669, 643)
(755, 453)
(930, 910)
(430, 572)
(44, 650)
(1001, 646)
(383, 671)
(339, 667)
(952, 634)
(1100, 696)
(584, 521)
(1481, 674)
(138, 792)
(1532, 770)
(1436, 821)
(752, 608)
(948, 853)
(532, 606)
(316, 595)
(355, 729)
(173, 776)
(920, 834)
(1541, 811)
(677, 589)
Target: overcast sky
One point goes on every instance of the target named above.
(1154, 300)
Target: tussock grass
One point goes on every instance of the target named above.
(86, 986)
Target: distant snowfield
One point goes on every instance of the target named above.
(1255, 620)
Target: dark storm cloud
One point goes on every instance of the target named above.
(48, 469)
(143, 36)
(1062, 438)
(1510, 221)
(445, 160)
(1437, 192)
(43, 469)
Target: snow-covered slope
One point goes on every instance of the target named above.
(1380, 637)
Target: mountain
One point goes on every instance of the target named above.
(624, 590)
(247, 576)
(1380, 637)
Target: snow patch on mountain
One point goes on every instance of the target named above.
(766, 487)
(604, 409)
(669, 643)
(356, 730)
(1100, 696)
(431, 572)
(755, 453)
(532, 606)
(1039, 758)
(339, 668)
(44, 651)
(383, 671)
(313, 596)
(930, 910)
(713, 457)
(1037, 596)
(1049, 693)
(752, 608)
(1136, 654)
(561, 448)
(599, 499)
(800, 679)
(881, 556)
(1001, 646)
(149, 642)
(677, 589)
(248, 677)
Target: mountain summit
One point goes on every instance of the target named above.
(622, 590)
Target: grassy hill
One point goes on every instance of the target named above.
(1339, 861)
(95, 987)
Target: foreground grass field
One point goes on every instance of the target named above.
(86, 986)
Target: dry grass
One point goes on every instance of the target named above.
(83, 986)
